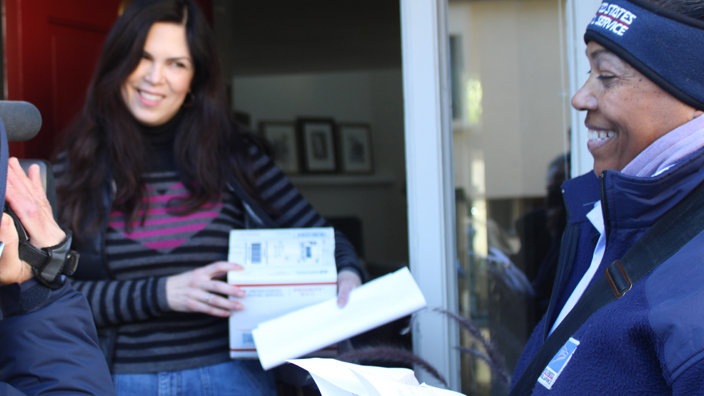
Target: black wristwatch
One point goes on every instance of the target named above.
(50, 264)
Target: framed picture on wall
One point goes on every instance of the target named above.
(355, 148)
(318, 141)
(282, 136)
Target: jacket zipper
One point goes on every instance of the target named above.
(565, 246)
(604, 205)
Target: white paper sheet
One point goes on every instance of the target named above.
(336, 378)
(371, 305)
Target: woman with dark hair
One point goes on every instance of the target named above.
(152, 177)
(644, 101)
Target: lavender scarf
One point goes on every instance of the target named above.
(664, 153)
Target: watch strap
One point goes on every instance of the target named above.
(49, 264)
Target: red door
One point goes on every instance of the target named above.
(50, 50)
(51, 47)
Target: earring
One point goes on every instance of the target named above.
(190, 99)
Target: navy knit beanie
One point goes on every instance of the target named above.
(666, 47)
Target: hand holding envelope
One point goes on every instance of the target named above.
(309, 329)
(289, 277)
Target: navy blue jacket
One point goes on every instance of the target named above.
(650, 341)
(49, 346)
(9, 299)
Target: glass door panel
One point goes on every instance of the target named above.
(510, 136)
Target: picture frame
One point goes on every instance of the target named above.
(317, 137)
(355, 148)
(284, 143)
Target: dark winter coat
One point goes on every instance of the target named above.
(48, 344)
(650, 341)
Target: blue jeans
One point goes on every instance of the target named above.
(233, 378)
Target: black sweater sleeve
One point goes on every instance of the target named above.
(116, 302)
(291, 210)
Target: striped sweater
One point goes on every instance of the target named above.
(151, 338)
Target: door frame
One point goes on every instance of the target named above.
(429, 166)
(430, 182)
(578, 14)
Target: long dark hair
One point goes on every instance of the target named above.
(104, 142)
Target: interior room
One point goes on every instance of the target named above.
(339, 62)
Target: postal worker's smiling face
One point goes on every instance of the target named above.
(626, 112)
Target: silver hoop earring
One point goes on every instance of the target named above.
(190, 99)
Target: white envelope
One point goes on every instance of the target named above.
(373, 304)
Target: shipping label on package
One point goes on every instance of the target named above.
(284, 270)
(287, 247)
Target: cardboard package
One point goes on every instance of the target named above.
(285, 270)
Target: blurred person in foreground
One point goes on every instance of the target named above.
(152, 177)
(48, 342)
(644, 100)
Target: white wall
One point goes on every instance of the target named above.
(344, 96)
(373, 97)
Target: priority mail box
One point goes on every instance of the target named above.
(284, 270)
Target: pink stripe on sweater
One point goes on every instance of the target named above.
(166, 197)
(160, 211)
(165, 231)
(167, 220)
